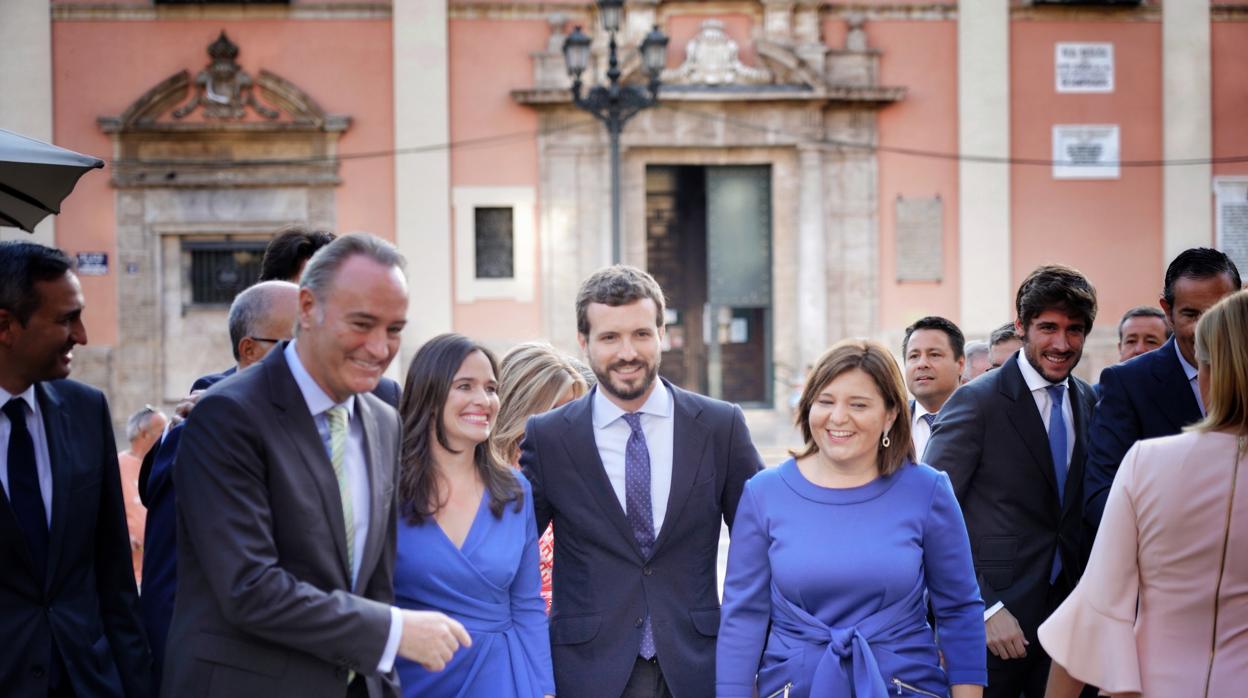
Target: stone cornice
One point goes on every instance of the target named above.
(837, 94)
(112, 12)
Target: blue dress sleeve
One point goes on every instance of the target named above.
(528, 609)
(953, 589)
(747, 602)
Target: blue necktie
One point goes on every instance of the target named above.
(929, 418)
(638, 508)
(1057, 448)
(25, 495)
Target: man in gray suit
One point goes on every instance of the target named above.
(286, 522)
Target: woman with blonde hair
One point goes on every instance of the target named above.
(1161, 610)
(837, 552)
(534, 378)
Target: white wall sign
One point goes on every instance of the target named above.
(1231, 196)
(1084, 67)
(1085, 151)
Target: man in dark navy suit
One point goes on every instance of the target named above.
(637, 476)
(1155, 394)
(70, 610)
(1013, 443)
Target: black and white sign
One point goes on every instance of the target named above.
(1231, 195)
(92, 263)
(1085, 151)
(1084, 67)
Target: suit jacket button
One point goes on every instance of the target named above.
(647, 571)
(37, 671)
(639, 622)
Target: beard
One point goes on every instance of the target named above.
(623, 391)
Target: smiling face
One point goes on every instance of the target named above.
(1141, 334)
(1192, 297)
(848, 419)
(349, 338)
(623, 350)
(471, 404)
(42, 348)
(1053, 343)
(932, 374)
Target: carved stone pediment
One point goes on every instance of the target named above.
(223, 96)
(224, 128)
(712, 58)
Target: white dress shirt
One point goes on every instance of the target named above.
(1038, 385)
(43, 461)
(356, 466)
(658, 425)
(1191, 372)
(920, 432)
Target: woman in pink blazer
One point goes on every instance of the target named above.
(1162, 609)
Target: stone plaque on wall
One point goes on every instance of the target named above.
(919, 238)
(1232, 210)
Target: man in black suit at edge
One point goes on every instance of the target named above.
(637, 476)
(1013, 444)
(70, 609)
(1155, 394)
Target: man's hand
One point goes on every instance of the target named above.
(1005, 637)
(184, 407)
(431, 638)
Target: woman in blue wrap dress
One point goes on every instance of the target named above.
(467, 544)
(836, 553)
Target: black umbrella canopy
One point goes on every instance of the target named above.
(35, 177)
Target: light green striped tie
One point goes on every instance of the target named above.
(337, 416)
(337, 449)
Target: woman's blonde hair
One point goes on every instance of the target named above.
(532, 378)
(1222, 348)
(871, 358)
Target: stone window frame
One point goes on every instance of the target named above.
(521, 200)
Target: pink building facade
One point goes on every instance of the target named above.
(815, 170)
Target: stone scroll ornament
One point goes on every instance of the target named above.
(224, 89)
(711, 58)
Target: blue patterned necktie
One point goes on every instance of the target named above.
(638, 507)
(1057, 448)
(929, 418)
(25, 495)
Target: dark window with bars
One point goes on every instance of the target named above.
(220, 270)
(495, 242)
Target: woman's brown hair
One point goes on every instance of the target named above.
(429, 380)
(871, 358)
(533, 377)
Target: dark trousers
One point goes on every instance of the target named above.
(646, 681)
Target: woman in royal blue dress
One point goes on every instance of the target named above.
(837, 552)
(467, 541)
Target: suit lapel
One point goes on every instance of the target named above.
(61, 456)
(582, 451)
(1175, 398)
(1081, 398)
(1026, 419)
(688, 449)
(300, 430)
(377, 485)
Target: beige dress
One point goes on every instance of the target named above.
(1175, 537)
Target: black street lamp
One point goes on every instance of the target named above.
(614, 104)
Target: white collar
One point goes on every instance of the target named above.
(317, 400)
(28, 395)
(1034, 380)
(1188, 369)
(919, 411)
(605, 412)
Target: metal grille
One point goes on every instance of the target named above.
(495, 242)
(219, 270)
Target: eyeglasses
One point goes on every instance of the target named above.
(264, 339)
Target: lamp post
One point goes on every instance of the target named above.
(614, 104)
